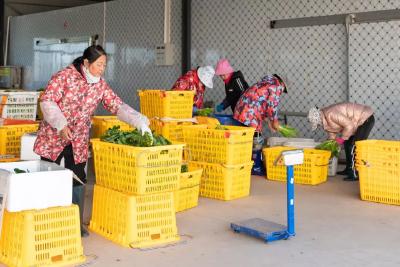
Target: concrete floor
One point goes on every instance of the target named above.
(334, 228)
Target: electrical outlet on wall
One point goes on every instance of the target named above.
(164, 54)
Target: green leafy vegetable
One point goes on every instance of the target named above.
(133, 138)
(16, 170)
(206, 112)
(220, 127)
(330, 145)
(184, 168)
(287, 131)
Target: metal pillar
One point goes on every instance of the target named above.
(186, 35)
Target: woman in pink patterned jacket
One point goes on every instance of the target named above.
(70, 99)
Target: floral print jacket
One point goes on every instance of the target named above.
(78, 101)
(191, 82)
(259, 102)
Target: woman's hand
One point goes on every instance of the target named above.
(66, 133)
(273, 125)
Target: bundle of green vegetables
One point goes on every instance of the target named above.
(184, 168)
(287, 131)
(206, 112)
(330, 145)
(221, 127)
(133, 138)
(17, 170)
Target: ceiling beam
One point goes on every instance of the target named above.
(36, 4)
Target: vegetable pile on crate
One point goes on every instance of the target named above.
(206, 112)
(330, 145)
(133, 138)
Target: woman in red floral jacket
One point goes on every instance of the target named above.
(70, 99)
(196, 80)
(260, 102)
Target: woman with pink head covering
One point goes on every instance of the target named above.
(235, 84)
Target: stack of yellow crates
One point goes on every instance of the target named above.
(224, 154)
(133, 201)
(40, 225)
(378, 165)
(169, 112)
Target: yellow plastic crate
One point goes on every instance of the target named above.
(377, 152)
(189, 187)
(137, 170)
(18, 105)
(380, 184)
(9, 158)
(313, 171)
(207, 120)
(166, 104)
(134, 221)
(42, 237)
(186, 198)
(378, 165)
(100, 124)
(172, 130)
(206, 144)
(225, 182)
(10, 137)
(190, 178)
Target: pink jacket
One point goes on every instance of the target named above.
(344, 118)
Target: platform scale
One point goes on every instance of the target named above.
(270, 231)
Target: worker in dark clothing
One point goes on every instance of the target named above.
(235, 84)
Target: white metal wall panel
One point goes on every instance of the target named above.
(133, 29)
(313, 60)
(233, 29)
(375, 73)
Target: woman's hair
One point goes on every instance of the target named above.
(92, 53)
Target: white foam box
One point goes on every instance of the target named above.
(27, 153)
(279, 141)
(44, 185)
(27, 142)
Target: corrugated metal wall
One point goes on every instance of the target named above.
(313, 58)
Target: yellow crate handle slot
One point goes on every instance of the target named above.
(148, 151)
(323, 165)
(364, 164)
(187, 187)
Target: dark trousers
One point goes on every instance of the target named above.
(78, 192)
(77, 169)
(361, 133)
